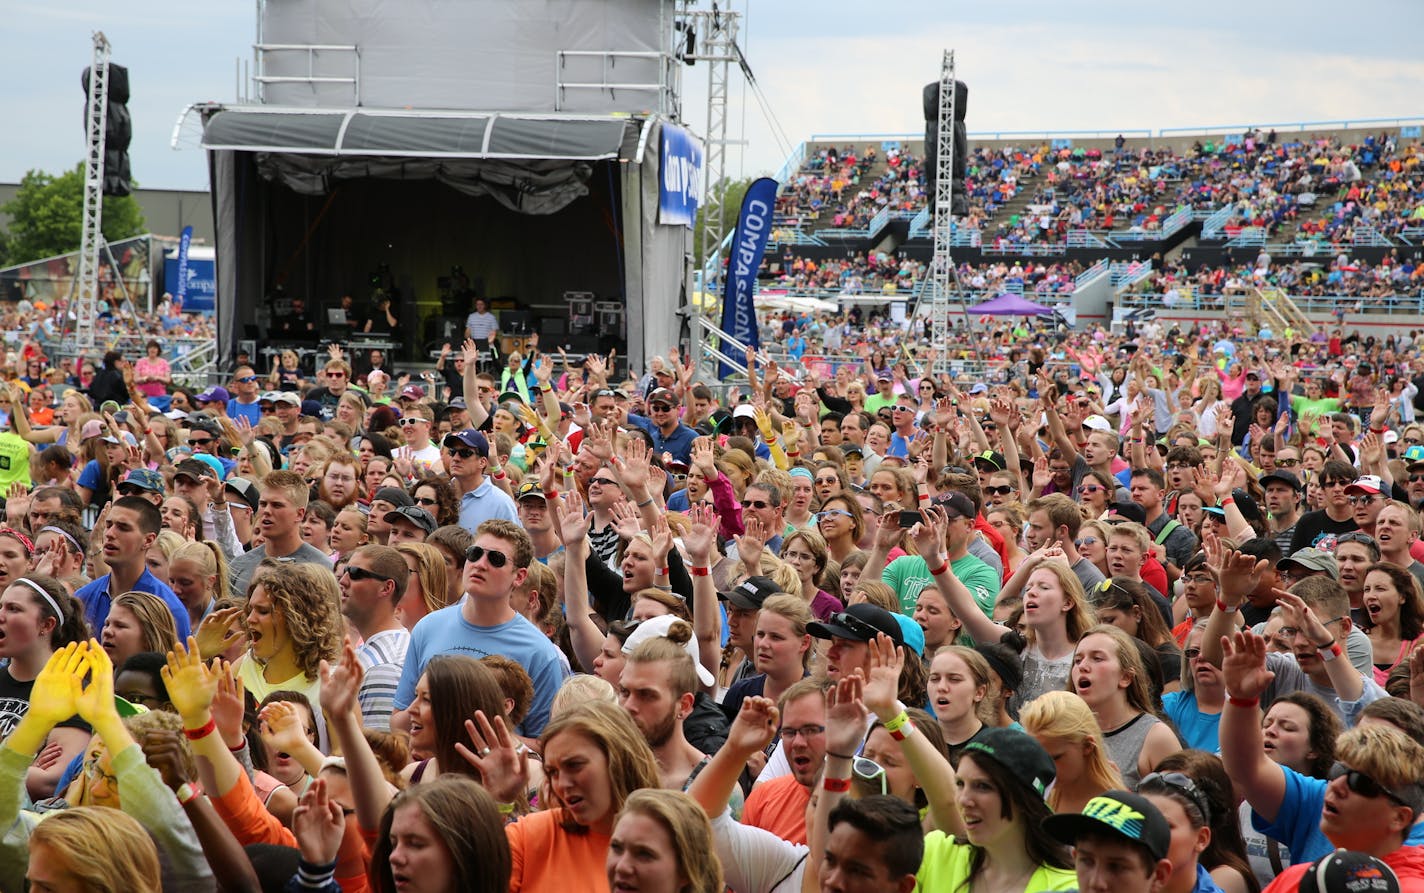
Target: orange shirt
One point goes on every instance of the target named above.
(548, 859)
(779, 806)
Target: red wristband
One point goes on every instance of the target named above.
(936, 571)
(1243, 702)
(696, 571)
(903, 732)
(662, 572)
(924, 497)
(200, 734)
(836, 785)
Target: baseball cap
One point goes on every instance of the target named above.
(852, 450)
(193, 468)
(267, 396)
(956, 505)
(750, 593)
(395, 496)
(412, 392)
(1018, 752)
(979, 388)
(144, 479)
(1097, 423)
(1345, 871)
(291, 397)
(457, 403)
(744, 411)
(859, 623)
(214, 395)
(657, 628)
(1117, 814)
(1126, 511)
(1368, 483)
(993, 457)
(245, 490)
(91, 428)
(1312, 559)
(1414, 455)
(1281, 476)
(663, 394)
(531, 490)
(469, 437)
(914, 634)
(415, 515)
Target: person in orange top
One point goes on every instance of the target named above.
(779, 805)
(594, 757)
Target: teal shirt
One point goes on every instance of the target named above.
(908, 575)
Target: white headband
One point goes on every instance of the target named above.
(72, 541)
(49, 599)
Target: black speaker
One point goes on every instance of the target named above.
(930, 101)
(118, 130)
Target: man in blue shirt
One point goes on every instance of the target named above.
(668, 432)
(480, 499)
(133, 525)
(483, 623)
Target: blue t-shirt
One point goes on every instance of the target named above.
(679, 442)
(92, 477)
(448, 632)
(1198, 729)
(1297, 823)
(97, 598)
(250, 411)
(485, 503)
(677, 502)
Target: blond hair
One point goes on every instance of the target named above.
(1065, 716)
(106, 850)
(1384, 753)
(690, 831)
(155, 620)
(583, 688)
(430, 570)
(307, 597)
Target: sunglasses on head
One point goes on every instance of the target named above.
(1181, 783)
(360, 573)
(496, 558)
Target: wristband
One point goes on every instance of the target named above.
(1224, 608)
(836, 785)
(1377, 430)
(201, 733)
(662, 572)
(187, 793)
(924, 497)
(506, 808)
(936, 571)
(1242, 702)
(894, 724)
(1329, 652)
(696, 571)
(645, 503)
(903, 732)
(499, 476)
(1230, 500)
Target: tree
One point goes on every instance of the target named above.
(732, 193)
(47, 216)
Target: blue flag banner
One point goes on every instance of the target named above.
(184, 242)
(681, 188)
(748, 245)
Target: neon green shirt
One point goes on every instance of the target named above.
(946, 865)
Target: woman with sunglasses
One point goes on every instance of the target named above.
(841, 523)
(1396, 611)
(1009, 519)
(437, 497)
(1094, 493)
(1092, 544)
(1225, 855)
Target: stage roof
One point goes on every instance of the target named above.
(422, 134)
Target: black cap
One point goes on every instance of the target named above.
(1247, 505)
(1126, 511)
(1344, 871)
(530, 490)
(395, 496)
(1115, 813)
(750, 593)
(991, 457)
(956, 505)
(1281, 476)
(415, 515)
(245, 489)
(859, 623)
(196, 469)
(1016, 751)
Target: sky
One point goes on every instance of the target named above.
(831, 66)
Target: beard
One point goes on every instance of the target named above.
(661, 731)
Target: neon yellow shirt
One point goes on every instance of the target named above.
(946, 865)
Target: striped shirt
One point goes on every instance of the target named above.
(605, 543)
(382, 656)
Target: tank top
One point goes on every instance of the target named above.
(1125, 747)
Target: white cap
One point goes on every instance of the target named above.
(657, 627)
(744, 411)
(1097, 423)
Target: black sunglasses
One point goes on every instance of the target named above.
(199, 443)
(463, 453)
(360, 573)
(496, 559)
(1180, 783)
(855, 625)
(999, 491)
(1362, 784)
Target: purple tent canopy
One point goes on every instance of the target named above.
(1010, 305)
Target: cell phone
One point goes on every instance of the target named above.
(909, 519)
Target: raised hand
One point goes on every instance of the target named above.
(503, 767)
(219, 631)
(754, 726)
(341, 684)
(661, 535)
(887, 534)
(95, 702)
(229, 707)
(701, 538)
(55, 694)
(1243, 665)
(929, 533)
(632, 467)
(751, 543)
(598, 441)
(319, 825)
(1042, 476)
(163, 750)
(704, 458)
(191, 683)
(845, 715)
(881, 690)
(470, 352)
(281, 727)
(573, 523)
(626, 520)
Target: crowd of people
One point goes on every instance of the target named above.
(1136, 612)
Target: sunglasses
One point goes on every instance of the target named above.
(1364, 498)
(1086, 541)
(1192, 653)
(1287, 463)
(1341, 482)
(247, 379)
(999, 491)
(869, 771)
(603, 482)
(831, 513)
(660, 407)
(426, 500)
(267, 408)
(755, 504)
(410, 420)
(1360, 783)
(463, 453)
(1090, 490)
(334, 373)
(854, 625)
(496, 558)
(360, 573)
(199, 442)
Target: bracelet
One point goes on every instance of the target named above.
(662, 572)
(1230, 500)
(936, 571)
(1224, 608)
(924, 497)
(793, 453)
(836, 785)
(1329, 652)
(841, 756)
(894, 724)
(1377, 430)
(506, 808)
(499, 476)
(187, 793)
(903, 732)
(645, 503)
(1242, 702)
(201, 733)
(696, 571)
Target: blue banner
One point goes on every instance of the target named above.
(184, 241)
(680, 190)
(748, 245)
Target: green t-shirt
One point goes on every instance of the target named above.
(14, 460)
(875, 402)
(908, 575)
(946, 865)
(1319, 408)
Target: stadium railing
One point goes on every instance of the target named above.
(1214, 225)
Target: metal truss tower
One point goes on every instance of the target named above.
(942, 271)
(716, 31)
(84, 302)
